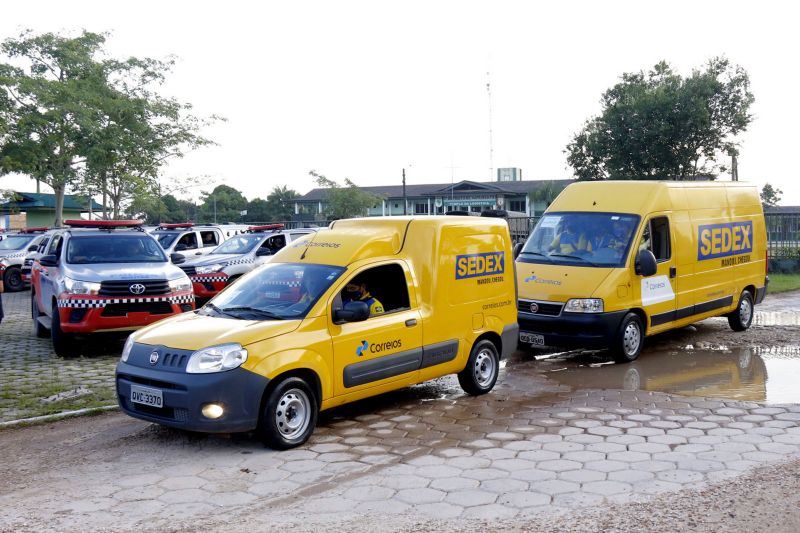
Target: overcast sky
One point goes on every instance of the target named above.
(361, 90)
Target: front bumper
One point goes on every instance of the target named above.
(593, 331)
(86, 314)
(239, 391)
(208, 285)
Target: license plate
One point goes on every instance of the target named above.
(532, 338)
(146, 396)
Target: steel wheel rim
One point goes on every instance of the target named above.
(745, 311)
(292, 414)
(485, 368)
(631, 339)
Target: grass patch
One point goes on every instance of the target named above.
(783, 283)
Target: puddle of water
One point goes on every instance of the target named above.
(764, 374)
(776, 318)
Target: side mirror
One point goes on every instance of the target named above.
(645, 263)
(351, 312)
(261, 252)
(180, 247)
(518, 248)
(33, 248)
(177, 259)
(48, 260)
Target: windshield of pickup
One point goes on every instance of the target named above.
(83, 250)
(581, 239)
(166, 238)
(239, 244)
(15, 242)
(274, 291)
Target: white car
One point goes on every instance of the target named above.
(188, 239)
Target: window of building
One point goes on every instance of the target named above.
(421, 209)
(517, 205)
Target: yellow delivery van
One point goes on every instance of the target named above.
(614, 261)
(364, 307)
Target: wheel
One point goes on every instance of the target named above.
(629, 340)
(13, 280)
(742, 317)
(483, 367)
(632, 380)
(63, 343)
(290, 414)
(38, 329)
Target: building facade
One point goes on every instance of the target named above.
(40, 208)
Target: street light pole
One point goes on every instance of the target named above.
(405, 199)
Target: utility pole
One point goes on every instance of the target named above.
(491, 144)
(405, 200)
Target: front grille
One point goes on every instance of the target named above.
(123, 288)
(190, 270)
(28, 262)
(154, 308)
(545, 308)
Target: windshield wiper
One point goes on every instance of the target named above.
(216, 309)
(254, 310)
(574, 257)
(532, 253)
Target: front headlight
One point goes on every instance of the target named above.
(126, 350)
(75, 286)
(208, 269)
(584, 305)
(216, 359)
(180, 284)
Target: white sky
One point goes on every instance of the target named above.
(363, 89)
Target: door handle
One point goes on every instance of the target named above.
(673, 272)
(410, 323)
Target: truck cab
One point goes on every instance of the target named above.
(13, 250)
(188, 239)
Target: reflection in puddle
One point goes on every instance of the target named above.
(776, 318)
(768, 374)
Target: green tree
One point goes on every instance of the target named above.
(770, 196)
(546, 193)
(344, 201)
(158, 209)
(659, 125)
(223, 204)
(280, 203)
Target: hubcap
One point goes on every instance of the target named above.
(292, 413)
(745, 311)
(484, 368)
(631, 339)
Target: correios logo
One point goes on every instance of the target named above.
(362, 348)
(534, 279)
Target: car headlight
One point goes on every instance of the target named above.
(208, 269)
(75, 286)
(180, 284)
(126, 350)
(216, 359)
(584, 305)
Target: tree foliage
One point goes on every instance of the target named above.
(71, 118)
(223, 204)
(344, 201)
(659, 125)
(770, 196)
(277, 207)
(158, 209)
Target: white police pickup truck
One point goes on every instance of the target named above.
(103, 275)
(188, 239)
(13, 250)
(237, 256)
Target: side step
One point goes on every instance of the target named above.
(45, 321)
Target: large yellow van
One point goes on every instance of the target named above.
(614, 261)
(365, 307)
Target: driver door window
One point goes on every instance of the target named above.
(189, 241)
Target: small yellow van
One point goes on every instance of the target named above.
(364, 307)
(614, 261)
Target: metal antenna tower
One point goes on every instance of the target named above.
(491, 145)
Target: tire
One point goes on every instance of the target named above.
(38, 329)
(483, 367)
(290, 414)
(63, 343)
(12, 280)
(630, 338)
(741, 318)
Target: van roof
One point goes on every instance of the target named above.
(631, 196)
(351, 240)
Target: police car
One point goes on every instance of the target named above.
(188, 239)
(102, 276)
(13, 250)
(237, 256)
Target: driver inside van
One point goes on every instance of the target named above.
(356, 291)
(570, 241)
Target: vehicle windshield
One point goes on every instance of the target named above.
(166, 238)
(239, 244)
(15, 242)
(581, 239)
(84, 250)
(275, 291)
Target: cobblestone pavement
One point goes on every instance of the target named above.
(30, 371)
(529, 448)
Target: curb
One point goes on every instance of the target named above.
(57, 416)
